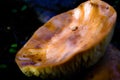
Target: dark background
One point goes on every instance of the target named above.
(20, 18)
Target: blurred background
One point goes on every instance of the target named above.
(20, 18)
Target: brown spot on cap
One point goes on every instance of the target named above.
(74, 28)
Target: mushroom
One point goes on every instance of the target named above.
(68, 41)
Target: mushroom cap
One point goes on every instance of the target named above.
(69, 40)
